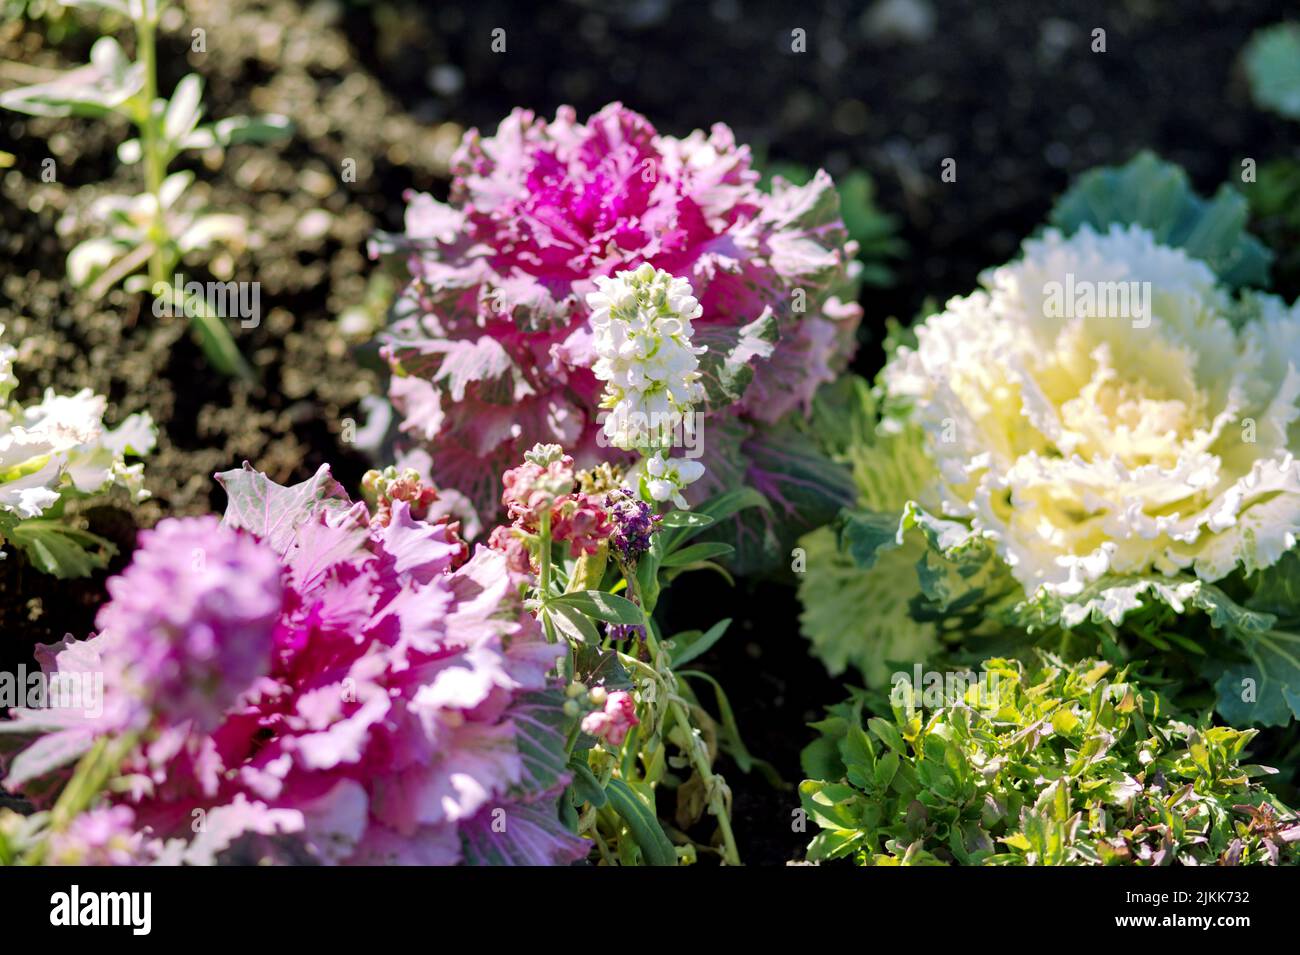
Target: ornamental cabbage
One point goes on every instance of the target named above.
(491, 347)
(396, 708)
(1106, 450)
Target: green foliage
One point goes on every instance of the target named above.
(893, 581)
(57, 548)
(1242, 634)
(602, 606)
(1158, 196)
(1037, 764)
(1274, 199)
(884, 580)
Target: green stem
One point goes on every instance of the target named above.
(215, 338)
(716, 808)
(90, 777)
(544, 580)
(147, 51)
(544, 556)
(730, 854)
(573, 739)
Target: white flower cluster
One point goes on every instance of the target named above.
(641, 324)
(61, 446)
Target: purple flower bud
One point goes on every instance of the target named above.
(194, 616)
(635, 523)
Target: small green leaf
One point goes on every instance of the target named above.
(674, 519)
(656, 848)
(184, 109)
(103, 85)
(888, 734)
(239, 129)
(596, 667)
(686, 650)
(585, 784)
(601, 606)
(88, 259)
(55, 548)
(697, 552)
(571, 622)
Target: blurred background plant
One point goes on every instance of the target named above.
(1272, 62)
(1273, 65)
(157, 228)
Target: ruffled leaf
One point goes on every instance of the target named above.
(274, 513)
(1157, 195)
(521, 834)
(862, 618)
(727, 368)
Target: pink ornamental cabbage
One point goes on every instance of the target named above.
(405, 714)
(491, 349)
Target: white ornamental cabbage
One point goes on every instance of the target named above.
(1108, 417)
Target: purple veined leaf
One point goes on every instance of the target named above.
(540, 723)
(521, 834)
(459, 365)
(804, 489)
(272, 512)
(727, 367)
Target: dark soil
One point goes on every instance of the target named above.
(1011, 91)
